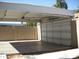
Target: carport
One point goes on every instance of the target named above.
(55, 31)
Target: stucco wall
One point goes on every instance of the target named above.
(17, 33)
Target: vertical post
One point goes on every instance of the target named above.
(77, 27)
(74, 38)
(39, 31)
(76, 19)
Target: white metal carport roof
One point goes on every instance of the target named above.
(13, 10)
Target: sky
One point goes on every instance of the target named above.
(72, 4)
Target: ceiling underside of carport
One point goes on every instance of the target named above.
(15, 12)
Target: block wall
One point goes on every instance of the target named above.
(58, 32)
(17, 33)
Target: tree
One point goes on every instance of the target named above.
(58, 4)
(61, 4)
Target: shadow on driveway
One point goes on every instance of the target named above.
(37, 47)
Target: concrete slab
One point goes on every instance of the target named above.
(7, 48)
(37, 47)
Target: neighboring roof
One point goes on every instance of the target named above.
(26, 8)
